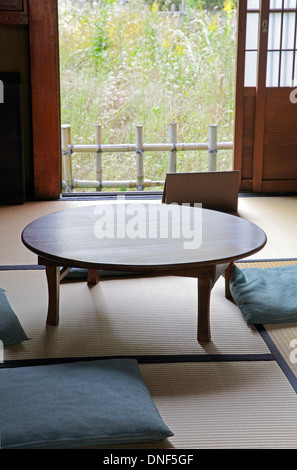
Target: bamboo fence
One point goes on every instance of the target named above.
(139, 148)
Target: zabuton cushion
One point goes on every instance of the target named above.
(266, 295)
(77, 404)
(11, 330)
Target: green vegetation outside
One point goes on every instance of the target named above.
(134, 63)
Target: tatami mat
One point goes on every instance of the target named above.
(223, 405)
(277, 216)
(15, 218)
(283, 335)
(144, 316)
(229, 397)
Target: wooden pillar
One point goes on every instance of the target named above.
(45, 89)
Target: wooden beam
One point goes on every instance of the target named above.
(260, 98)
(285, 186)
(239, 87)
(45, 84)
(13, 5)
(13, 12)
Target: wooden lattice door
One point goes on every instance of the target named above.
(265, 133)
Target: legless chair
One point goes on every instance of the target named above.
(216, 190)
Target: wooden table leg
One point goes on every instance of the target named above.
(228, 273)
(53, 283)
(93, 276)
(204, 290)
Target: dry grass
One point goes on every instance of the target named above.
(134, 65)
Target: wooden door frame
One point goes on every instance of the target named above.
(260, 99)
(45, 91)
(45, 84)
(258, 155)
(239, 87)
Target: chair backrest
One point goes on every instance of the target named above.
(217, 190)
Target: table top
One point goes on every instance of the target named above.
(142, 237)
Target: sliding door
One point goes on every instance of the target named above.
(265, 133)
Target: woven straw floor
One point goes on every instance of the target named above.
(238, 391)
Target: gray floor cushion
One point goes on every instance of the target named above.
(11, 330)
(266, 295)
(79, 404)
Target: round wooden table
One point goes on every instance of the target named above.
(157, 239)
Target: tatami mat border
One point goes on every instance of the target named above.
(146, 359)
(263, 260)
(21, 267)
(278, 356)
(265, 334)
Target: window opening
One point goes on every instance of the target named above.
(153, 64)
(281, 68)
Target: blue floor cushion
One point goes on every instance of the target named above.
(11, 330)
(266, 295)
(77, 404)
